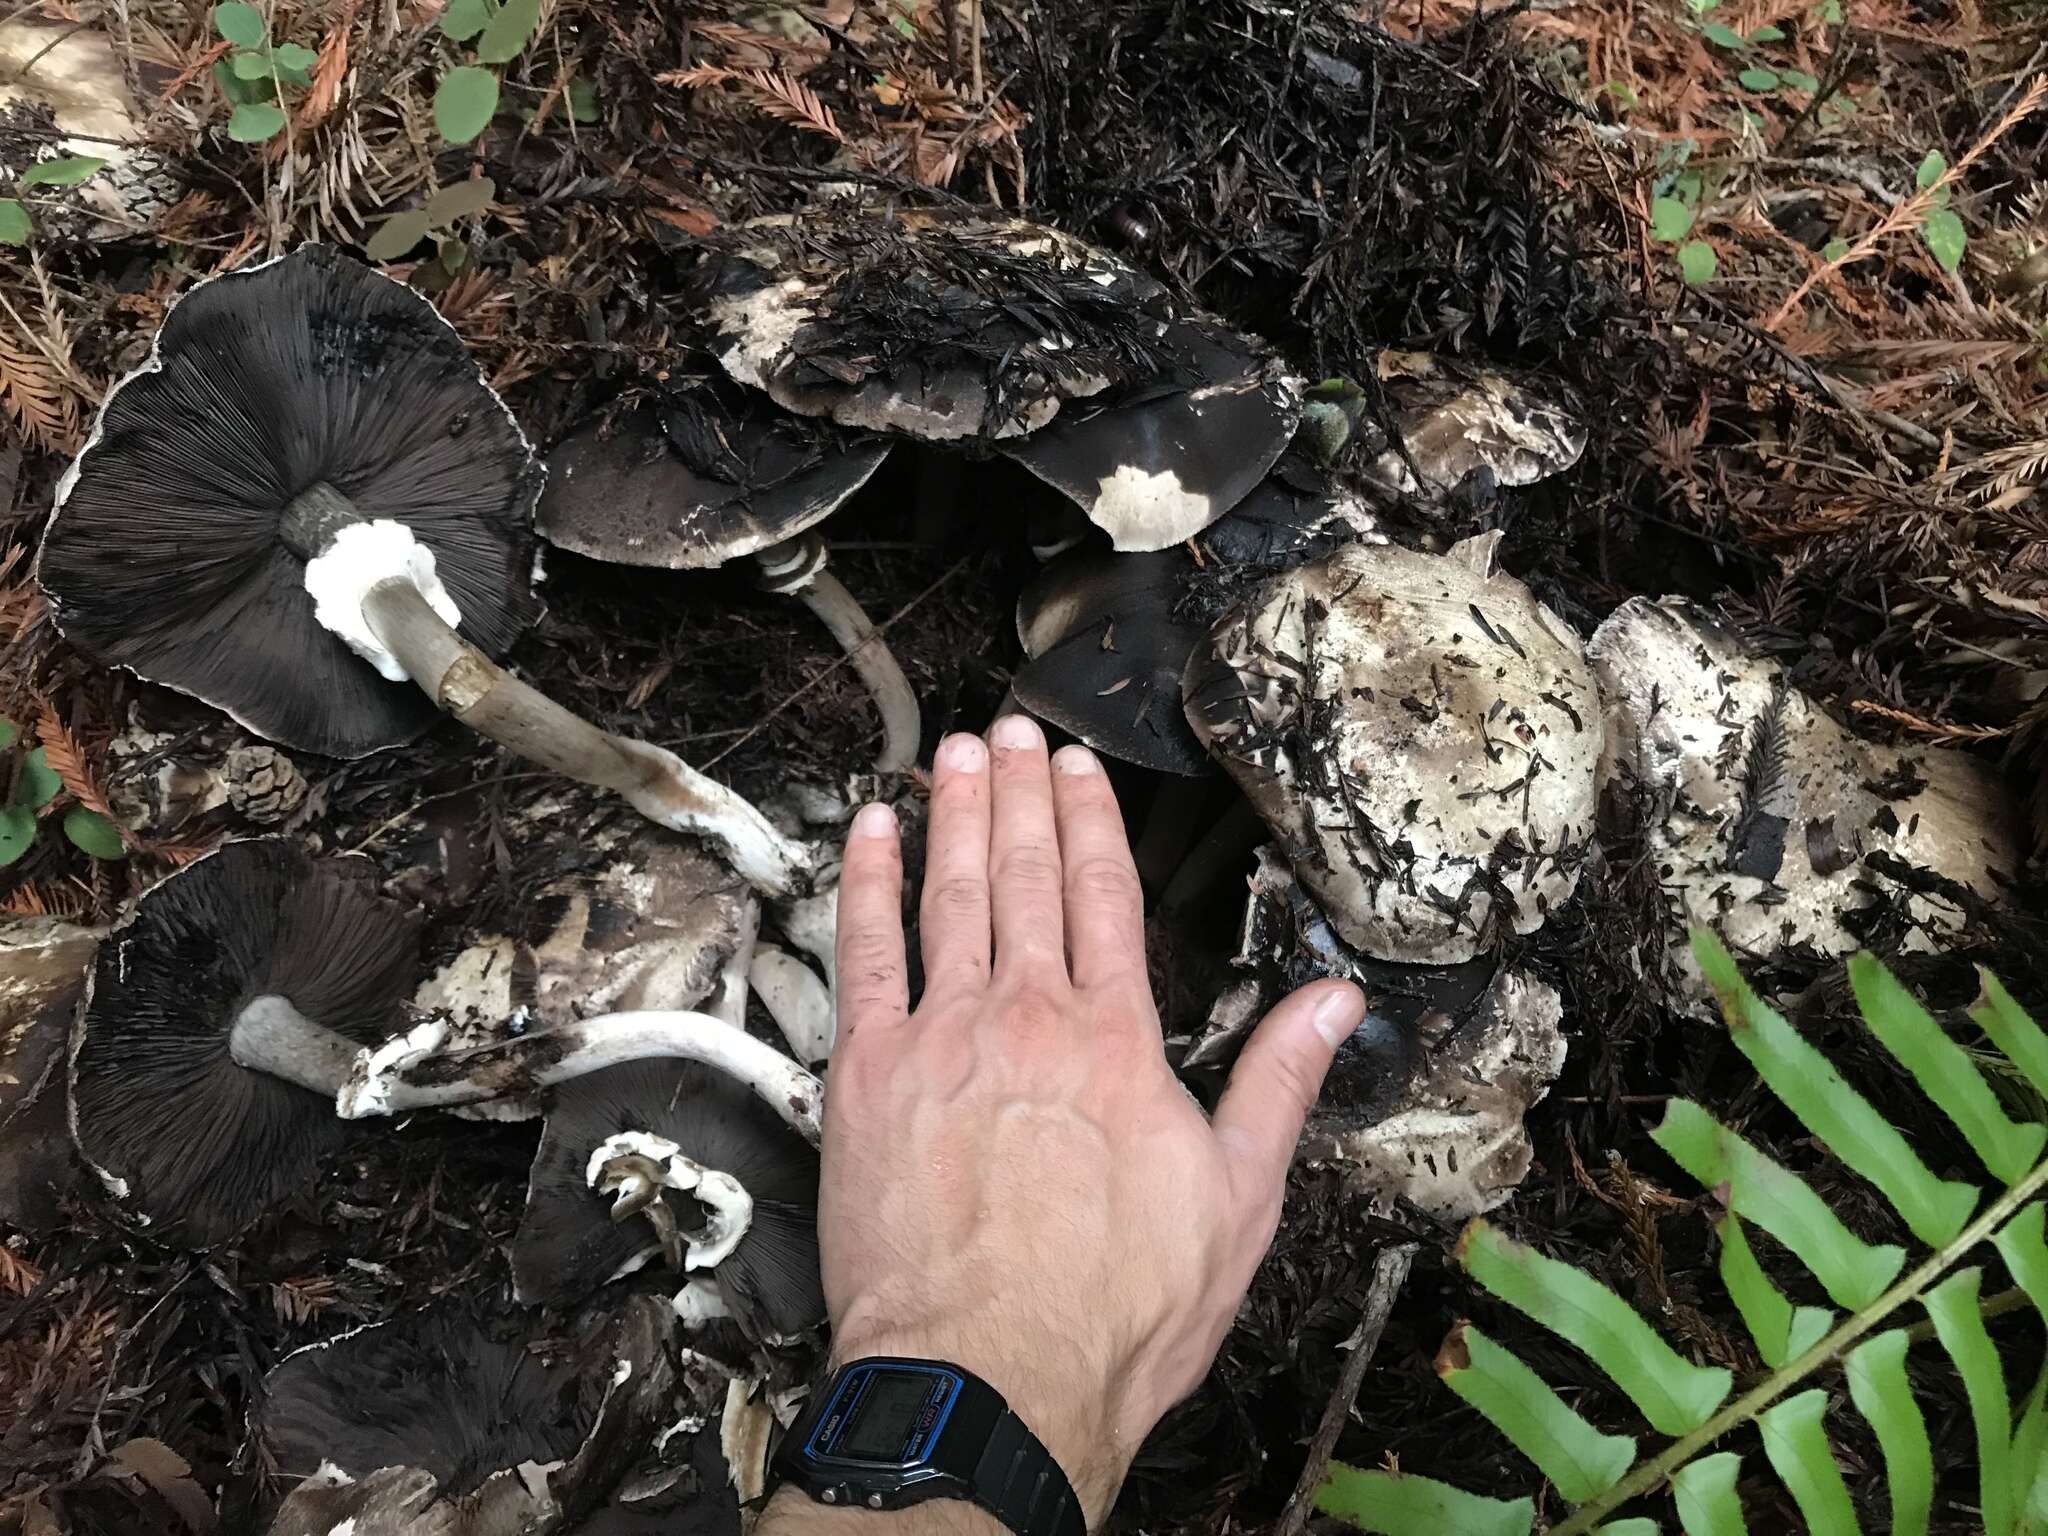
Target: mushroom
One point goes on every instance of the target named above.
(309, 474)
(237, 990)
(63, 90)
(43, 962)
(706, 1178)
(1769, 822)
(711, 477)
(1422, 735)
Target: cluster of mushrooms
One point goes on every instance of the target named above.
(308, 510)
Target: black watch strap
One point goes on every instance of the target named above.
(1019, 1483)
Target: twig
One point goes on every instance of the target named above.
(1387, 1277)
(1934, 730)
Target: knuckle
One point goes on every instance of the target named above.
(1027, 867)
(955, 897)
(1033, 1011)
(1104, 881)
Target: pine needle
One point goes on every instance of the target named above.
(61, 750)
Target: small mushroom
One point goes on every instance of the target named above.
(310, 474)
(43, 964)
(230, 1003)
(711, 477)
(1457, 420)
(1422, 735)
(705, 1176)
(1769, 822)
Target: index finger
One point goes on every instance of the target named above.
(873, 979)
(1105, 905)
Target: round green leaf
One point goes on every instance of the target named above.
(14, 225)
(464, 19)
(1759, 79)
(461, 199)
(1697, 261)
(1945, 237)
(1767, 34)
(1798, 79)
(398, 234)
(582, 95)
(17, 833)
(1718, 32)
(1930, 170)
(250, 66)
(465, 103)
(1835, 249)
(508, 32)
(294, 56)
(240, 24)
(68, 171)
(37, 784)
(255, 121)
(92, 833)
(1670, 220)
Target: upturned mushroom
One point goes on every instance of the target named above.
(309, 496)
(1769, 822)
(674, 1163)
(1421, 734)
(230, 1003)
(711, 475)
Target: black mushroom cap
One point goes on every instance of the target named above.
(568, 1245)
(169, 552)
(700, 478)
(202, 1144)
(935, 323)
(1106, 651)
(1295, 515)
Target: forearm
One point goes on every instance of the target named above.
(790, 1513)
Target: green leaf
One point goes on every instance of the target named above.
(295, 56)
(255, 121)
(2021, 1245)
(92, 833)
(1766, 1194)
(1580, 1460)
(1835, 249)
(66, 172)
(15, 227)
(464, 19)
(1720, 32)
(1931, 170)
(465, 103)
(8, 731)
(1701, 7)
(1826, 1105)
(1401, 1504)
(2030, 1459)
(240, 24)
(1759, 79)
(1675, 1395)
(1829, 11)
(1697, 261)
(1670, 220)
(1796, 1441)
(460, 199)
(1945, 237)
(17, 833)
(37, 784)
(1798, 79)
(1782, 1332)
(398, 234)
(1628, 1528)
(1879, 1388)
(582, 96)
(250, 66)
(235, 89)
(1959, 1324)
(2008, 1027)
(508, 32)
(1767, 34)
(1704, 1492)
(1945, 1073)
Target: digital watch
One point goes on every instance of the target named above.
(887, 1433)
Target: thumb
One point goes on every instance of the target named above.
(1275, 1083)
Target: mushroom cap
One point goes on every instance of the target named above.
(699, 480)
(1763, 811)
(1155, 464)
(1422, 735)
(165, 553)
(568, 1245)
(1106, 655)
(935, 323)
(43, 962)
(1294, 515)
(1456, 418)
(196, 1143)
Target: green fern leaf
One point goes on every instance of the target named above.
(1879, 1388)
(1705, 1495)
(1398, 1504)
(2009, 1028)
(1796, 1441)
(1580, 1460)
(1782, 1332)
(1959, 1324)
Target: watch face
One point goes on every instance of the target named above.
(885, 1415)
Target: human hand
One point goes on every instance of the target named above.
(1013, 1178)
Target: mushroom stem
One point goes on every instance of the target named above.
(797, 567)
(796, 1000)
(413, 1072)
(270, 1035)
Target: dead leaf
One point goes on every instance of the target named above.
(169, 1475)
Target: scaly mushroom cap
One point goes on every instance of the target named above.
(1763, 812)
(166, 554)
(1106, 655)
(1456, 419)
(933, 323)
(568, 1245)
(704, 477)
(197, 1144)
(1420, 732)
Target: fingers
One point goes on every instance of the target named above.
(1275, 1083)
(1024, 855)
(873, 985)
(953, 921)
(1105, 908)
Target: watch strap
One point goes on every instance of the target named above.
(1019, 1483)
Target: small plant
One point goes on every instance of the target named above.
(1597, 1473)
(34, 785)
(254, 75)
(1942, 229)
(15, 223)
(402, 231)
(467, 98)
(1672, 215)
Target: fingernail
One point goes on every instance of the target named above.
(1338, 1012)
(875, 820)
(962, 753)
(1016, 732)
(1076, 761)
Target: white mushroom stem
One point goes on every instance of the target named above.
(796, 1000)
(270, 1035)
(621, 1166)
(374, 586)
(797, 567)
(414, 1071)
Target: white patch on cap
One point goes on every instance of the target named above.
(1144, 511)
(361, 556)
(759, 328)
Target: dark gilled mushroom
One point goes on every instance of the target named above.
(1422, 735)
(310, 474)
(230, 1004)
(710, 475)
(671, 1162)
